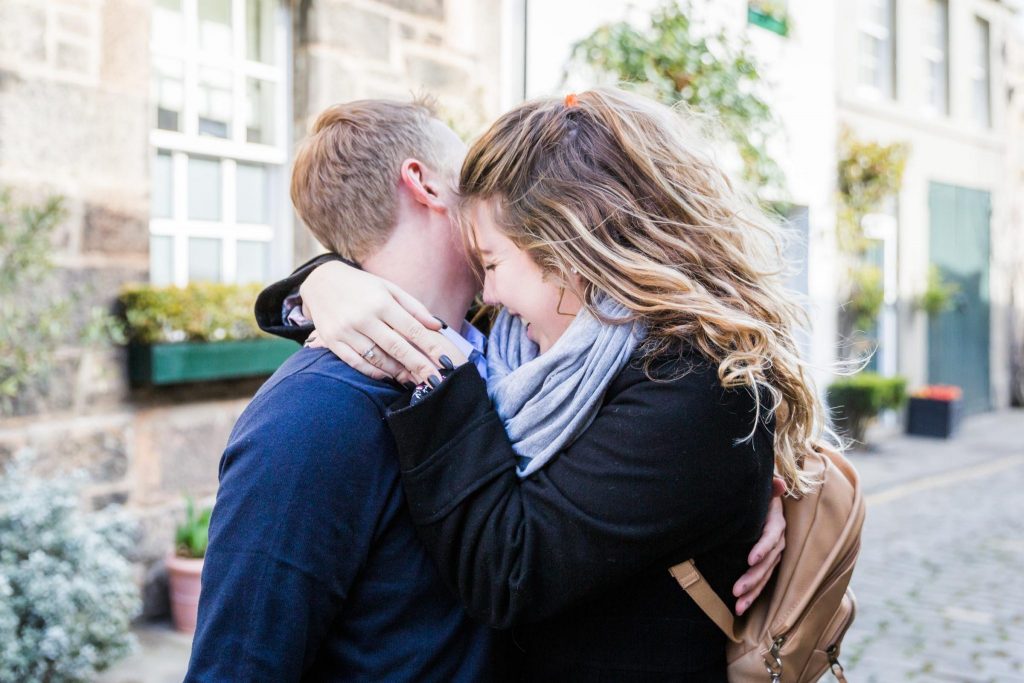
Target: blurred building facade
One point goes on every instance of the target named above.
(168, 126)
(934, 75)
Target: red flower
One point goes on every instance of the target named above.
(939, 392)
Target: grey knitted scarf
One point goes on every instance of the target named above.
(547, 400)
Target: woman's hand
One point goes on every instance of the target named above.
(765, 555)
(356, 313)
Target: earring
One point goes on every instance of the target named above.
(558, 308)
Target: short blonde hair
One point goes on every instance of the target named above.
(345, 172)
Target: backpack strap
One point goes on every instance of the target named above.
(691, 580)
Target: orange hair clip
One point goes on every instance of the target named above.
(571, 100)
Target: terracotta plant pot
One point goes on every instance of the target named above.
(183, 578)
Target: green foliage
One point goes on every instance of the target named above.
(939, 296)
(674, 62)
(193, 535)
(869, 173)
(36, 317)
(203, 311)
(858, 399)
(67, 593)
(866, 297)
(33, 322)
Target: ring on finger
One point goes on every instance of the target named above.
(369, 355)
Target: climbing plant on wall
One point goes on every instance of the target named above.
(869, 173)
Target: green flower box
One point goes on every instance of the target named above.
(767, 21)
(160, 364)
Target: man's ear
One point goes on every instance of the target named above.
(422, 185)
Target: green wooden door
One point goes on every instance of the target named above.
(958, 340)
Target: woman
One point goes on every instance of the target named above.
(643, 384)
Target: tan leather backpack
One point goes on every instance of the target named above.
(793, 632)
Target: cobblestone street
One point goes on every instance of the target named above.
(939, 582)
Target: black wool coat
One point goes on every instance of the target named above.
(575, 558)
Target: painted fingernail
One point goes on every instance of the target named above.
(447, 363)
(433, 381)
(444, 325)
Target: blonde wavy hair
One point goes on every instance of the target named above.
(618, 187)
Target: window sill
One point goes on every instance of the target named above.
(164, 364)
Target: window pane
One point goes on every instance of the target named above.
(878, 11)
(877, 45)
(203, 259)
(259, 31)
(168, 25)
(215, 26)
(937, 24)
(252, 195)
(982, 94)
(167, 91)
(161, 260)
(204, 189)
(162, 200)
(937, 86)
(214, 103)
(253, 261)
(936, 56)
(259, 115)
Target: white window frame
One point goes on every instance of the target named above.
(886, 34)
(937, 56)
(981, 73)
(188, 143)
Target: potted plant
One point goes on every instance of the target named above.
(856, 401)
(201, 332)
(935, 411)
(185, 566)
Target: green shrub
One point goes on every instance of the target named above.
(193, 535)
(940, 295)
(67, 593)
(856, 401)
(204, 311)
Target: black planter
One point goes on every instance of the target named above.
(930, 417)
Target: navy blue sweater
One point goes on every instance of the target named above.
(314, 571)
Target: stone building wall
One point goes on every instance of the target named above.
(356, 49)
(75, 119)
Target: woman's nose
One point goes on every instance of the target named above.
(488, 294)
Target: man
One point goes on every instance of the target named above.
(313, 570)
